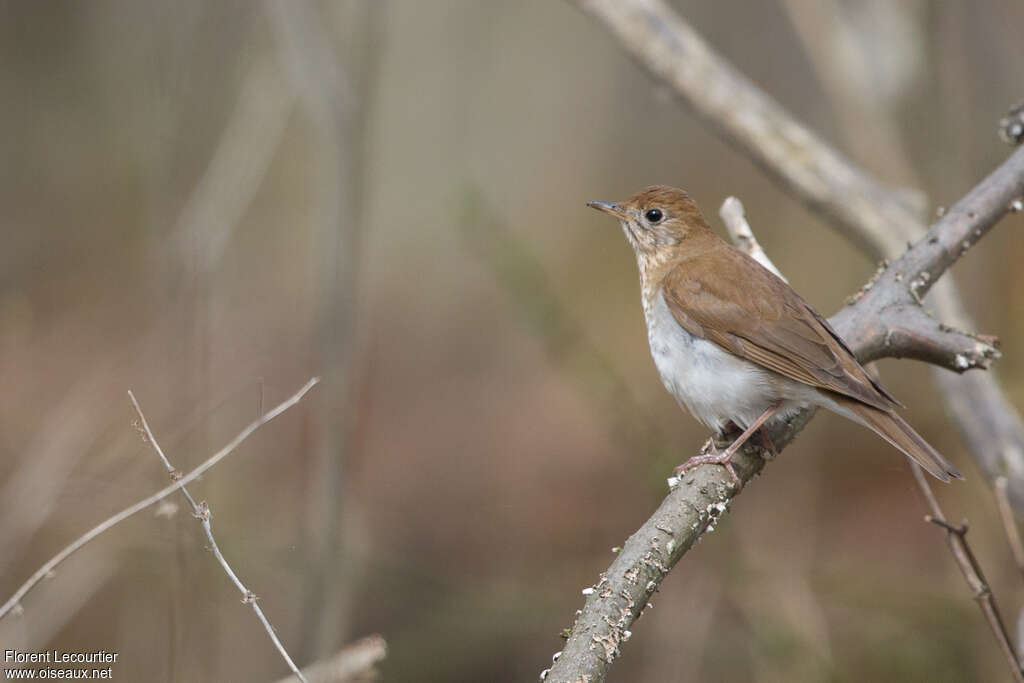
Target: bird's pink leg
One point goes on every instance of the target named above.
(725, 457)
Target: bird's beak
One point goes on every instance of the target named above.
(609, 208)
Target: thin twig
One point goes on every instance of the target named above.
(956, 539)
(202, 512)
(124, 514)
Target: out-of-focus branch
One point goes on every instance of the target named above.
(865, 71)
(738, 110)
(877, 218)
(57, 606)
(1010, 525)
(30, 493)
(334, 82)
(244, 152)
(742, 236)
(124, 514)
(355, 662)
(701, 496)
(202, 512)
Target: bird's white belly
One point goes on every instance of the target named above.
(714, 385)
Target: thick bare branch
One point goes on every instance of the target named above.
(909, 331)
(958, 230)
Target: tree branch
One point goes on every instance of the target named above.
(756, 124)
(1010, 525)
(696, 502)
(909, 331)
(735, 219)
(46, 570)
(958, 230)
(879, 219)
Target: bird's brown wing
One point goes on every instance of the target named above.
(726, 297)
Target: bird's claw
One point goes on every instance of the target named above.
(724, 459)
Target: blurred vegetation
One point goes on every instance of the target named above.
(492, 423)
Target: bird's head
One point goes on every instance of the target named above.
(656, 220)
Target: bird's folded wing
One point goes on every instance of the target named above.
(762, 319)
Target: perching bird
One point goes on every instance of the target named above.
(734, 343)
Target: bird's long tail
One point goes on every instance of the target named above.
(896, 431)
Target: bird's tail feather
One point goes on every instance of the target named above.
(896, 431)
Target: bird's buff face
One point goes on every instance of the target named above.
(646, 228)
(654, 219)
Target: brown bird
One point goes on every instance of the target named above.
(734, 343)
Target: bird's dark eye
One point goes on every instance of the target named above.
(653, 215)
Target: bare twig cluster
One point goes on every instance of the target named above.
(201, 510)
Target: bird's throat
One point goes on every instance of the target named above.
(652, 267)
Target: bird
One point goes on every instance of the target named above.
(736, 345)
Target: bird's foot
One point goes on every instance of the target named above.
(709, 457)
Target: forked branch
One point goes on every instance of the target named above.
(46, 570)
(201, 511)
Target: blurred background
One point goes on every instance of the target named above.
(208, 203)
